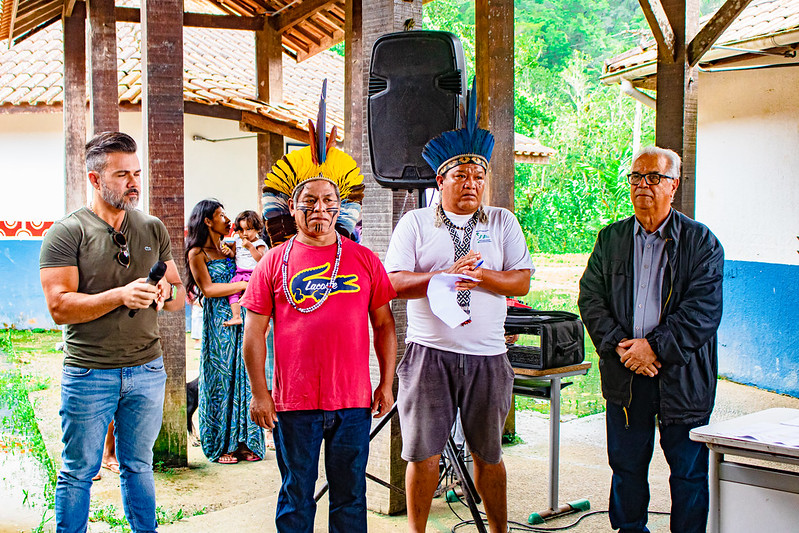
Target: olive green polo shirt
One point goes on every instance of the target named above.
(84, 240)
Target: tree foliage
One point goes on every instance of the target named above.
(559, 49)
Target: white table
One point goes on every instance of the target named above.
(745, 497)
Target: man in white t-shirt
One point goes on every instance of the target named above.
(445, 369)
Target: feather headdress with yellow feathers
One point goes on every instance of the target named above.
(320, 160)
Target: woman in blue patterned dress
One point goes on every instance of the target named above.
(226, 432)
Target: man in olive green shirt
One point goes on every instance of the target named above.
(94, 264)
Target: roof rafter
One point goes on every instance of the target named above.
(710, 33)
(69, 5)
(13, 17)
(200, 20)
(661, 28)
(295, 15)
(258, 123)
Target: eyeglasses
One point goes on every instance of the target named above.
(652, 178)
(122, 256)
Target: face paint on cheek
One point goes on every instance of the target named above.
(306, 210)
(333, 212)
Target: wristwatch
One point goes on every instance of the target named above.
(172, 293)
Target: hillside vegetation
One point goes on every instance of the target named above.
(559, 49)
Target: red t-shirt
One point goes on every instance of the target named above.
(322, 357)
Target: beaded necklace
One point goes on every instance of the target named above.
(462, 246)
(284, 271)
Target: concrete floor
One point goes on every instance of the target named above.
(584, 474)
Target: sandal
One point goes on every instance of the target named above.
(250, 456)
(113, 466)
(227, 459)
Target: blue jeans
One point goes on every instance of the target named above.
(90, 398)
(631, 439)
(298, 438)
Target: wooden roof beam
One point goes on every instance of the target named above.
(30, 20)
(201, 20)
(326, 25)
(710, 33)
(14, 8)
(295, 15)
(257, 123)
(69, 5)
(661, 28)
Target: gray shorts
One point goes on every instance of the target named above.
(433, 384)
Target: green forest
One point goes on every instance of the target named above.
(560, 46)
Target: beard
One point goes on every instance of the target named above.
(118, 200)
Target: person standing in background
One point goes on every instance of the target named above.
(226, 433)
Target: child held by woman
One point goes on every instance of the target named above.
(249, 249)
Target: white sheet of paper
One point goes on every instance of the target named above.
(770, 433)
(442, 294)
(791, 422)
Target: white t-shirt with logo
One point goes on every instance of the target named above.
(418, 246)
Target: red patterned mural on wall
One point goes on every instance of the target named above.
(15, 229)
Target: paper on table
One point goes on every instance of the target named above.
(442, 294)
(791, 422)
(770, 433)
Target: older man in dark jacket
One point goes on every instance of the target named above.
(650, 298)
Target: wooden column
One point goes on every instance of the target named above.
(75, 108)
(269, 76)
(494, 66)
(104, 77)
(381, 211)
(162, 114)
(354, 84)
(677, 98)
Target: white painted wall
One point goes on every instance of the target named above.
(747, 185)
(225, 170)
(32, 164)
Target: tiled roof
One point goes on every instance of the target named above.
(761, 20)
(218, 68)
(525, 146)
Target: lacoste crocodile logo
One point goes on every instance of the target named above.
(311, 284)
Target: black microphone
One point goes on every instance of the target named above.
(155, 275)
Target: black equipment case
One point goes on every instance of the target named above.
(560, 333)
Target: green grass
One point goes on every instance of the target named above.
(115, 518)
(19, 430)
(20, 344)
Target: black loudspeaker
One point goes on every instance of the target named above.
(416, 81)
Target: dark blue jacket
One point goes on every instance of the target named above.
(684, 341)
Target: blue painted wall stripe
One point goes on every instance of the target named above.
(23, 305)
(758, 339)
